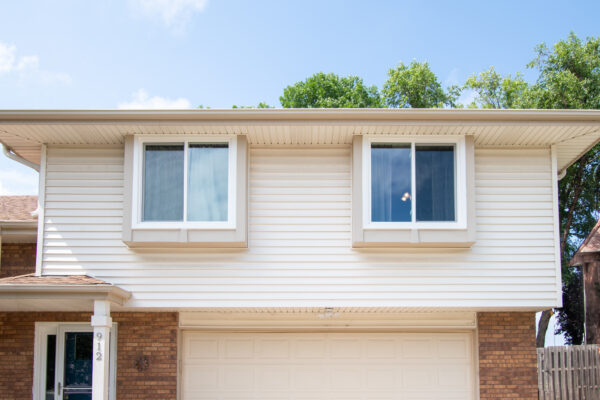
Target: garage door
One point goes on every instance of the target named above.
(303, 366)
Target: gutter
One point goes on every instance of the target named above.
(8, 152)
(291, 114)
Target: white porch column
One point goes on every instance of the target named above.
(101, 322)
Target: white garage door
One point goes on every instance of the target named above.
(303, 366)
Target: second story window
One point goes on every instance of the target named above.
(187, 182)
(412, 182)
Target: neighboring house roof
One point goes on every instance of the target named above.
(18, 223)
(571, 132)
(17, 208)
(590, 245)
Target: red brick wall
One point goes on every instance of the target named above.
(17, 259)
(507, 355)
(151, 334)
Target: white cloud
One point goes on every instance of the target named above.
(175, 14)
(7, 57)
(27, 68)
(141, 100)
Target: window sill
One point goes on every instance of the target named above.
(187, 237)
(434, 238)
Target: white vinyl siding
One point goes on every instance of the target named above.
(300, 247)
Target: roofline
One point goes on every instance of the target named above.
(303, 114)
(23, 290)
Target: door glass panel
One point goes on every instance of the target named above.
(78, 366)
(50, 366)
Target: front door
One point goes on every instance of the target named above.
(74, 348)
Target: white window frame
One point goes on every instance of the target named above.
(138, 168)
(40, 353)
(460, 189)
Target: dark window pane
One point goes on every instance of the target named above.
(434, 177)
(390, 182)
(163, 183)
(78, 359)
(50, 364)
(208, 168)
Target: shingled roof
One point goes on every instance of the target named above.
(590, 245)
(17, 208)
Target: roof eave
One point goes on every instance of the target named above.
(305, 114)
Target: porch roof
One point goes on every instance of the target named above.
(57, 293)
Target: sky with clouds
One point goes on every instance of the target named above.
(139, 54)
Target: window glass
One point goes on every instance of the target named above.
(207, 182)
(391, 199)
(163, 182)
(434, 179)
(50, 366)
(78, 360)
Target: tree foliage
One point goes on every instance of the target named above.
(416, 86)
(569, 74)
(330, 91)
(494, 91)
(571, 318)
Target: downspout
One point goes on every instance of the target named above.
(8, 152)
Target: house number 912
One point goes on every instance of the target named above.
(99, 352)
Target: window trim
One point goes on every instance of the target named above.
(138, 167)
(460, 191)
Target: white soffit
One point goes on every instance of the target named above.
(572, 131)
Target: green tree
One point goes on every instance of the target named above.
(416, 86)
(494, 91)
(330, 91)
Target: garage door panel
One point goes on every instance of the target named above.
(310, 366)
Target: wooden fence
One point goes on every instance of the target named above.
(569, 372)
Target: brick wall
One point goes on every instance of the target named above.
(17, 259)
(153, 335)
(507, 356)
